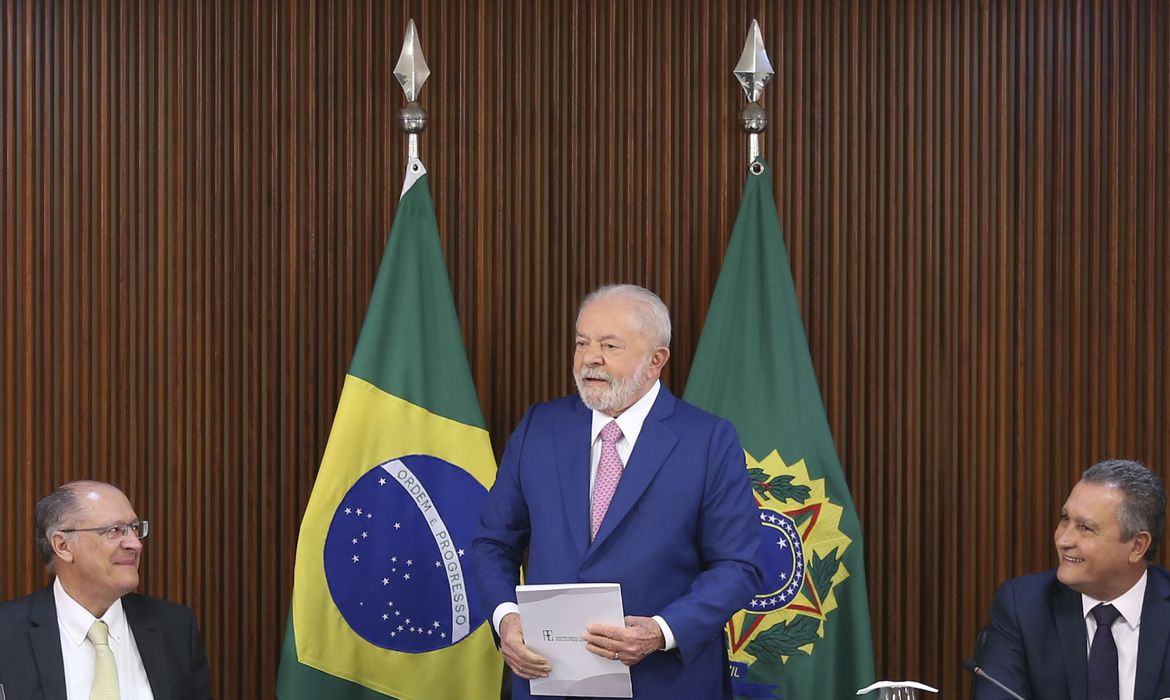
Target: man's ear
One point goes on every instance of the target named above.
(1141, 543)
(658, 358)
(62, 546)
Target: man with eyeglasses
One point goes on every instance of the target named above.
(88, 636)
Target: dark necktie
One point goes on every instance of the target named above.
(1103, 683)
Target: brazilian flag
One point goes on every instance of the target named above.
(806, 633)
(383, 602)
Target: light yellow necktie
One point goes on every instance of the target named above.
(105, 671)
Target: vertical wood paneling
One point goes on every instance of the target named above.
(195, 196)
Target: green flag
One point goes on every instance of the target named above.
(806, 633)
(383, 604)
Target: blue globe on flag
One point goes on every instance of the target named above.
(398, 554)
(781, 557)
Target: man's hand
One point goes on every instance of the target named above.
(523, 661)
(630, 644)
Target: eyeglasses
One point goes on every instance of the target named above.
(141, 529)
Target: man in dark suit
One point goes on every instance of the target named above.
(88, 635)
(625, 483)
(1098, 626)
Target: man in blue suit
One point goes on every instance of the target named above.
(625, 483)
(1098, 626)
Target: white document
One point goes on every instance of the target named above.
(554, 619)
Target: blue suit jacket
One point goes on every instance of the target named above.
(680, 534)
(168, 639)
(1037, 644)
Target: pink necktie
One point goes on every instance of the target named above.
(609, 472)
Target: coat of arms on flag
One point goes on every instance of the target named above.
(801, 548)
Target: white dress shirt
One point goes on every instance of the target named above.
(630, 421)
(73, 622)
(1125, 631)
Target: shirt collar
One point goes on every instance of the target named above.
(1129, 604)
(74, 620)
(631, 419)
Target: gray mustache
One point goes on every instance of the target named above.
(596, 374)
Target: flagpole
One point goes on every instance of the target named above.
(412, 72)
(753, 72)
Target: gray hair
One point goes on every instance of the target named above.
(57, 510)
(1143, 508)
(650, 312)
(53, 513)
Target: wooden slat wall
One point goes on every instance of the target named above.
(195, 196)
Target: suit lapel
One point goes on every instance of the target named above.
(46, 643)
(572, 455)
(1070, 627)
(655, 442)
(1155, 634)
(149, 641)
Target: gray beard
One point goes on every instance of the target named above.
(619, 394)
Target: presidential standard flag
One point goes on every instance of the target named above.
(806, 633)
(382, 600)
